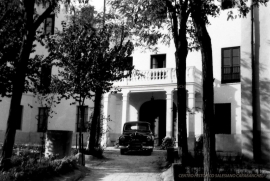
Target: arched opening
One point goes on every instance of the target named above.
(154, 112)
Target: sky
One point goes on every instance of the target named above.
(98, 4)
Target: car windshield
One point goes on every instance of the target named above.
(136, 126)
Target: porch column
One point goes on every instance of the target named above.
(169, 111)
(191, 106)
(176, 129)
(105, 118)
(125, 103)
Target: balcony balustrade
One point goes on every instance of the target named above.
(159, 76)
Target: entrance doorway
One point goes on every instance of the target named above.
(154, 112)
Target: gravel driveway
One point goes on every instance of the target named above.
(134, 166)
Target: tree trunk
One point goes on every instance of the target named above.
(18, 84)
(180, 58)
(98, 130)
(17, 91)
(95, 121)
(81, 119)
(256, 107)
(208, 93)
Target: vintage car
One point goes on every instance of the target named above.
(136, 135)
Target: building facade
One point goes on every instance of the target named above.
(152, 96)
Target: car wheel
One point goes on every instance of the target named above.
(122, 151)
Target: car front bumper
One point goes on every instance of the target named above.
(141, 147)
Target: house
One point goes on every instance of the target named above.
(152, 97)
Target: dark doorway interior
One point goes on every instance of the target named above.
(154, 112)
(223, 118)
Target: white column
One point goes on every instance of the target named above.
(125, 104)
(191, 106)
(105, 118)
(169, 111)
(176, 132)
(157, 131)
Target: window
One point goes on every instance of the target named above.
(162, 10)
(223, 118)
(230, 65)
(43, 114)
(227, 4)
(82, 116)
(49, 24)
(129, 61)
(158, 61)
(19, 122)
(45, 78)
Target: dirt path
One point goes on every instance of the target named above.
(131, 167)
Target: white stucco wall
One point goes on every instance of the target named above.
(261, 51)
(226, 33)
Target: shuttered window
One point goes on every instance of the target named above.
(227, 4)
(43, 114)
(82, 116)
(49, 24)
(45, 78)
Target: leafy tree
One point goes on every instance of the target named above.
(148, 16)
(147, 20)
(111, 66)
(74, 49)
(10, 42)
(200, 10)
(26, 14)
(90, 60)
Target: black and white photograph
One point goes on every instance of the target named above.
(134, 90)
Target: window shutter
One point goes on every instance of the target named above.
(43, 119)
(85, 118)
(45, 78)
(49, 24)
(81, 117)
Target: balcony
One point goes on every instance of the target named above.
(160, 76)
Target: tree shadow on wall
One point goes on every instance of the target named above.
(263, 134)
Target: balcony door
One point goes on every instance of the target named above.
(158, 61)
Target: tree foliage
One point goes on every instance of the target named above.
(149, 19)
(10, 42)
(12, 30)
(89, 58)
(18, 66)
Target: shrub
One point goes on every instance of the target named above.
(167, 142)
(25, 167)
(116, 144)
(74, 151)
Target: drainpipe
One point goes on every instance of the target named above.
(104, 11)
(255, 95)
